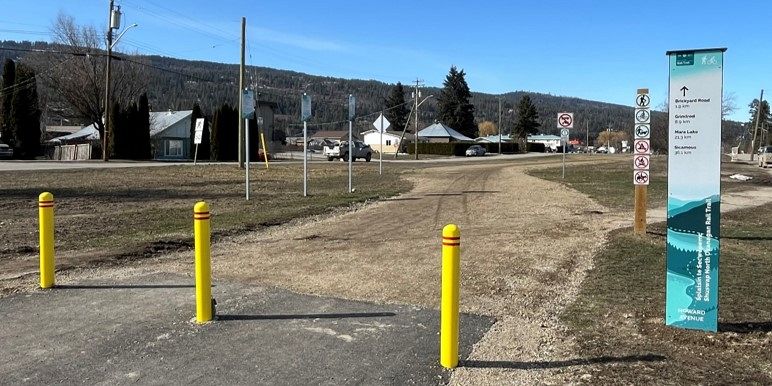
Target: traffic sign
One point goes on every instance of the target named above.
(565, 120)
(642, 100)
(642, 131)
(641, 162)
(199, 133)
(641, 177)
(248, 104)
(641, 146)
(352, 102)
(564, 133)
(642, 116)
(305, 107)
(381, 120)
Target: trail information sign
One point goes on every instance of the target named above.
(696, 83)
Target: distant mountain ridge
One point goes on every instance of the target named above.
(211, 84)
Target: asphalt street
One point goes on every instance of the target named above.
(140, 330)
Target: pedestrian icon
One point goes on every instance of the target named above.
(642, 131)
(642, 115)
(642, 100)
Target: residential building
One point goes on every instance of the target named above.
(391, 140)
(438, 132)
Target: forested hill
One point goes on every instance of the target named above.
(177, 84)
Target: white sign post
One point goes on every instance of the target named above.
(381, 124)
(694, 197)
(565, 122)
(305, 115)
(197, 136)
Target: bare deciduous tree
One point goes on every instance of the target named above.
(78, 79)
(487, 128)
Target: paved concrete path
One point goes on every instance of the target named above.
(139, 329)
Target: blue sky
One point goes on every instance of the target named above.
(599, 50)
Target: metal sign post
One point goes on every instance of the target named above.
(641, 160)
(565, 122)
(305, 114)
(351, 113)
(381, 124)
(246, 155)
(199, 133)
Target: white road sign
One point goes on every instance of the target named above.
(565, 120)
(642, 131)
(641, 177)
(641, 162)
(564, 133)
(378, 121)
(641, 146)
(199, 133)
(642, 116)
(642, 100)
(248, 104)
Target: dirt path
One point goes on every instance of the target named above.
(526, 245)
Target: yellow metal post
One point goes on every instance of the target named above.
(265, 149)
(451, 260)
(203, 268)
(46, 220)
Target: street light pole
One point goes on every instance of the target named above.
(105, 152)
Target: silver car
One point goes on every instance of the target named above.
(5, 151)
(475, 150)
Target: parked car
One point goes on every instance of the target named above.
(340, 151)
(765, 156)
(475, 150)
(5, 151)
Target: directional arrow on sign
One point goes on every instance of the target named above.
(684, 89)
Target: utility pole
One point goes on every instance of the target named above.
(241, 93)
(417, 95)
(587, 131)
(113, 22)
(499, 125)
(756, 128)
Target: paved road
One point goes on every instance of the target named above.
(18, 165)
(138, 330)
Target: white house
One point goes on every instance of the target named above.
(549, 141)
(390, 142)
(438, 132)
(493, 139)
(170, 134)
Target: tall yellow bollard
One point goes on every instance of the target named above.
(451, 261)
(203, 268)
(46, 220)
(265, 150)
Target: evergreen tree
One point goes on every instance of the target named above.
(454, 108)
(194, 116)
(527, 121)
(142, 148)
(396, 109)
(8, 81)
(225, 134)
(117, 131)
(25, 114)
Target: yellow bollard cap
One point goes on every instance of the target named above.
(201, 211)
(451, 230)
(45, 197)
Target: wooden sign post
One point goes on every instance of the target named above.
(641, 158)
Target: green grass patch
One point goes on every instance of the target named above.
(125, 210)
(620, 309)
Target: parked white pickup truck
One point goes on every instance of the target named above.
(765, 156)
(340, 151)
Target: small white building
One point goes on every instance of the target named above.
(170, 134)
(391, 140)
(549, 141)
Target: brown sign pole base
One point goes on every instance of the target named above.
(639, 223)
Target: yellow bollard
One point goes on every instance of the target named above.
(265, 150)
(203, 268)
(451, 260)
(46, 220)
